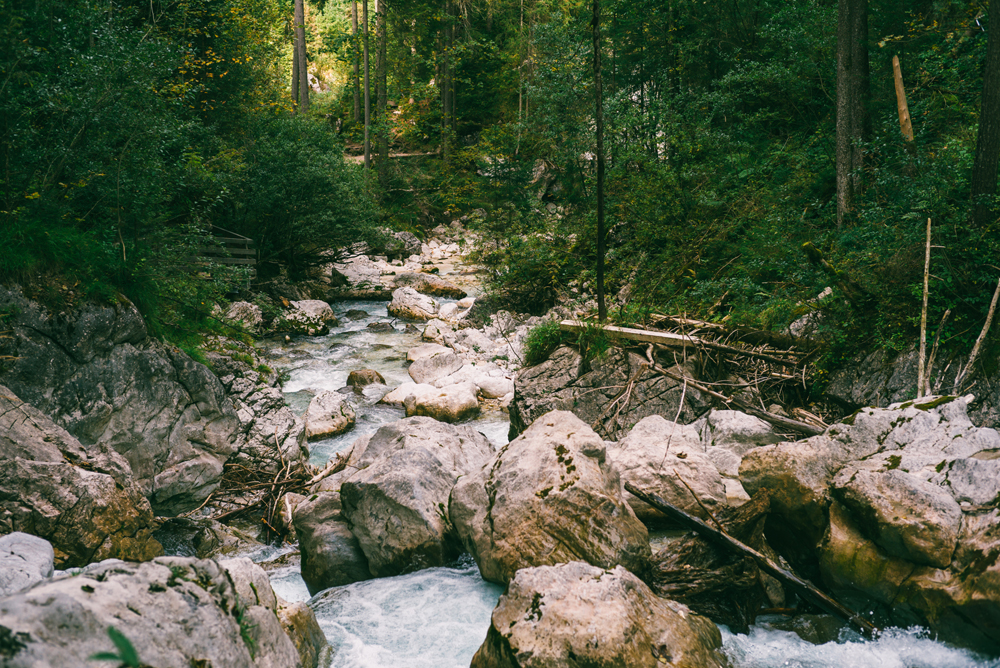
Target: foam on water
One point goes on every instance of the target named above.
(767, 647)
(434, 618)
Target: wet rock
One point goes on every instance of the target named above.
(451, 403)
(429, 284)
(247, 315)
(565, 382)
(177, 613)
(408, 303)
(251, 583)
(548, 497)
(356, 314)
(25, 560)
(328, 414)
(300, 624)
(381, 327)
(84, 501)
(397, 503)
(426, 368)
(202, 537)
(364, 378)
(298, 321)
(895, 504)
(331, 555)
(666, 459)
(94, 371)
(318, 309)
(576, 614)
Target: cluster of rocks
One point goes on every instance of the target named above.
(173, 612)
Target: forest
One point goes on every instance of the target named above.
(747, 154)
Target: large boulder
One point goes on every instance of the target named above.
(491, 382)
(397, 502)
(429, 284)
(408, 303)
(549, 496)
(667, 459)
(576, 614)
(428, 366)
(566, 382)
(300, 624)
(96, 373)
(451, 403)
(331, 555)
(317, 308)
(82, 500)
(328, 414)
(176, 612)
(25, 560)
(898, 505)
(248, 315)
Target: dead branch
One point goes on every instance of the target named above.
(804, 588)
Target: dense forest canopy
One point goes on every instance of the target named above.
(129, 128)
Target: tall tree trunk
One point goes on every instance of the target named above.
(984, 166)
(295, 67)
(300, 48)
(354, 60)
(446, 81)
(602, 313)
(853, 95)
(381, 78)
(368, 104)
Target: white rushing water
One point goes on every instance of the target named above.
(438, 617)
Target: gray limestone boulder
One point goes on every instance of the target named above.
(176, 612)
(550, 496)
(84, 501)
(666, 458)
(300, 624)
(429, 284)
(408, 303)
(247, 315)
(576, 614)
(317, 308)
(435, 330)
(25, 560)
(363, 378)
(96, 373)
(897, 504)
(451, 403)
(735, 431)
(427, 368)
(328, 414)
(331, 555)
(491, 382)
(397, 503)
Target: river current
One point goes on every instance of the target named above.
(438, 617)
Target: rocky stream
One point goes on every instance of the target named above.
(453, 509)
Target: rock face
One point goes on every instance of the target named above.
(666, 458)
(82, 500)
(563, 382)
(397, 502)
(248, 315)
(429, 284)
(576, 614)
(328, 414)
(331, 555)
(408, 303)
(95, 372)
(548, 497)
(177, 612)
(25, 560)
(898, 504)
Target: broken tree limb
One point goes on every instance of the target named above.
(905, 126)
(979, 341)
(805, 589)
(777, 420)
(757, 337)
(671, 340)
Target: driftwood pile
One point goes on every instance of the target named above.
(769, 363)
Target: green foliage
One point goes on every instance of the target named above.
(126, 654)
(541, 341)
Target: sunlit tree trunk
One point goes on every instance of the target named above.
(354, 60)
(302, 70)
(368, 105)
(381, 79)
(984, 166)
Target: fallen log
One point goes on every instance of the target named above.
(803, 588)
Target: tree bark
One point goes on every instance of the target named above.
(853, 95)
(381, 78)
(354, 59)
(984, 166)
(302, 94)
(602, 313)
(368, 105)
(905, 126)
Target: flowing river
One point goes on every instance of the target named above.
(438, 617)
